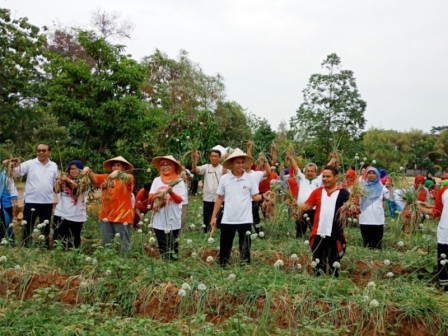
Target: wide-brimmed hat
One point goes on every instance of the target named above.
(237, 153)
(108, 163)
(157, 159)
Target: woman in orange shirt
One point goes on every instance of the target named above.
(117, 213)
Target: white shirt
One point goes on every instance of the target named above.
(306, 187)
(169, 217)
(67, 209)
(326, 215)
(442, 228)
(40, 180)
(237, 194)
(212, 175)
(373, 214)
(257, 176)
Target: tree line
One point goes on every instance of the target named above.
(83, 94)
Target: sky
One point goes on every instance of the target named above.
(266, 50)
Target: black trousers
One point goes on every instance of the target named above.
(304, 223)
(68, 232)
(207, 212)
(226, 241)
(372, 236)
(194, 187)
(325, 249)
(168, 243)
(443, 269)
(41, 211)
(256, 216)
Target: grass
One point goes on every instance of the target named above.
(95, 291)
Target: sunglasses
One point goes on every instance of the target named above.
(42, 150)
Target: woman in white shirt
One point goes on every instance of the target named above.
(70, 213)
(166, 197)
(371, 218)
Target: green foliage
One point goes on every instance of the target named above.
(21, 55)
(100, 103)
(332, 114)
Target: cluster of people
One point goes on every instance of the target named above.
(233, 190)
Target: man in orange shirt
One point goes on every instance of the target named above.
(117, 213)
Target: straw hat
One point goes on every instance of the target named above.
(157, 159)
(108, 164)
(236, 154)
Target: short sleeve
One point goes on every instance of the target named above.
(221, 187)
(254, 188)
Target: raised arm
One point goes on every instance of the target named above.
(194, 162)
(249, 147)
(274, 154)
(292, 162)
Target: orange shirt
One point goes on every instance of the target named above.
(116, 203)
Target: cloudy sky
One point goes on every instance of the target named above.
(267, 49)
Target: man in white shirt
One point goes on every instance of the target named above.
(212, 173)
(236, 190)
(308, 182)
(41, 175)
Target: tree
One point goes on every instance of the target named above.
(21, 77)
(180, 85)
(233, 124)
(100, 103)
(264, 137)
(332, 112)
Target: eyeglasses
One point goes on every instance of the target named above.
(42, 150)
(165, 164)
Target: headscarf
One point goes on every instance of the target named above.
(420, 179)
(383, 176)
(373, 189)
(350, 173)
(429, 184)
(171, 177)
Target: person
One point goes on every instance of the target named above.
(165, 197)
(236, 190)
(265, 182)
(392, 204)
(70, 213)
(258, 176)
(383, 176)
(142, 202)
(308, 182)
(212, 173)
(117, 214)
(186, 176)
(8, 206)
(327, 239)
(350, 179)
(371, 218)
(41, 174)
(439, 210)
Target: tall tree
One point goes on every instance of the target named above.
(99, 101)
(332, 112)
(21, 54)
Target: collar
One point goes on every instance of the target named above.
(36, 160)
(243, 177)
(338, 187)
